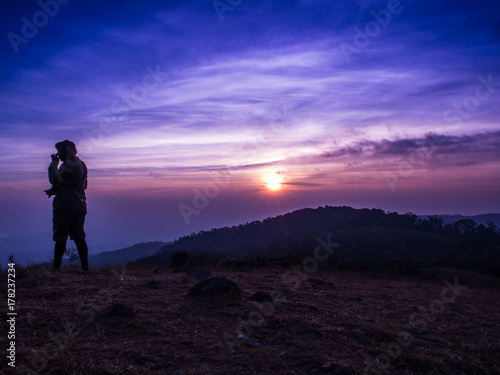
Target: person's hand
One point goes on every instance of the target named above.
(54, 157)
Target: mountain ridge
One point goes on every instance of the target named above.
(366, 234)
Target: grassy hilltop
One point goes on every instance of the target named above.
(318, 321)
(333, 290)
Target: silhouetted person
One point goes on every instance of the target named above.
(69, 182)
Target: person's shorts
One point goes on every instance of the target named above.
(68, 224)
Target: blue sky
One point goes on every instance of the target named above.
(384, 104)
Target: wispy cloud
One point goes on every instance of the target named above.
(434, 150)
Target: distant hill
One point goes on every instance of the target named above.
(479, 219)
(26, 250)
(40, 248)
(128, 254)
(363, 234)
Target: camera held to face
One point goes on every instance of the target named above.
(55, 157)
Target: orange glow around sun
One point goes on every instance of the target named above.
(273, 182)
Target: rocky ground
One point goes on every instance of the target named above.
(271, 321)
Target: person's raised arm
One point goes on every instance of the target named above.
(54, 174)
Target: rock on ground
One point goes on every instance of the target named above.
(316, 283)
(215, 285)
(120, 309)
(261, 296)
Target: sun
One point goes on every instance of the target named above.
(273, 182)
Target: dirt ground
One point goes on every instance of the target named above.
(117, 321)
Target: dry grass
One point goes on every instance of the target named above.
(349, 323)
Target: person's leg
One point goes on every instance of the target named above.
(83, 251)
(61, 228)
(59, 249)
(77, 234)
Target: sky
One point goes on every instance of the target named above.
(201, 114)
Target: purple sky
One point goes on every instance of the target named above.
(181, 110)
